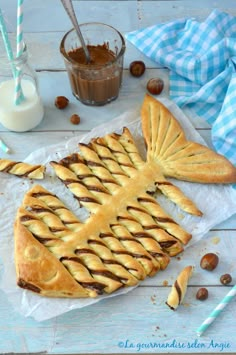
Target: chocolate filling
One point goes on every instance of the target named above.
(28, 286)
(167, 244)
(96, 286)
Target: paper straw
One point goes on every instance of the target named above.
(8, 48)
(19, 96)
(6, 40)
(216, 312)
(4, 147)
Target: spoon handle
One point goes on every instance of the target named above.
(68, 6)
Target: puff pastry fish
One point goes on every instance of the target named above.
(127, 235)
(22, 169)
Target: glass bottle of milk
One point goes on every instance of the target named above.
(29, 113)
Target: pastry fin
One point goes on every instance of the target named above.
(179, 158)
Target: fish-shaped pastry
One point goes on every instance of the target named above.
(127, 235)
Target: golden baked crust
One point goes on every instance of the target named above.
(127, 235)
(178, 157)
(21, 169)
(179, 288)
(38, 271)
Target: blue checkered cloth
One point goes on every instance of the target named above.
(201, 57)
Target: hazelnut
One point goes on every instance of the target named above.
(61, 102)
(225, 279)
(137, 68)
(202, 294)
(75, 119)
(155, 86)
(209, 261)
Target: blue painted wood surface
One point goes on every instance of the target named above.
(138, 321)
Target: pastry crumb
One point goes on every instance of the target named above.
(215, 240)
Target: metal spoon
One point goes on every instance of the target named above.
(68, 6)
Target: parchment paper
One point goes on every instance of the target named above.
(217, 202)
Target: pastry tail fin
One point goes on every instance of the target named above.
(175, 155)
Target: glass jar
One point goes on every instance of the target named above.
(98, 82)
(29, 112)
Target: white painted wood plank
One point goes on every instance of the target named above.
(99, 11)
(140, 317)
(151, 12)
(146, 320)
(137, 13)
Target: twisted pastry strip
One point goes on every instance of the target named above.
(85, 197)
(108, 259)
(23, 170)
(122, 255)
(38, 228)
(135, 228)
(135, 248)
(127, 142)
(119, 154)
(166, 242)
(100, 171)
(173, 193)
(86, 176)
(178, 290)
(66, 216)
(162, 219)
(107, 160)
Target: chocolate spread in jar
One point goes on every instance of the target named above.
(96, 82)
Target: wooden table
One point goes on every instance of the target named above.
(138, 321)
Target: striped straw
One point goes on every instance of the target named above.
(19, 96)
(6, 41)
(216, 312)
(4, 147)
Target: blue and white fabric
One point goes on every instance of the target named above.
(201, 57)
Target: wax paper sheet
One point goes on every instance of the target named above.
(12, 189)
